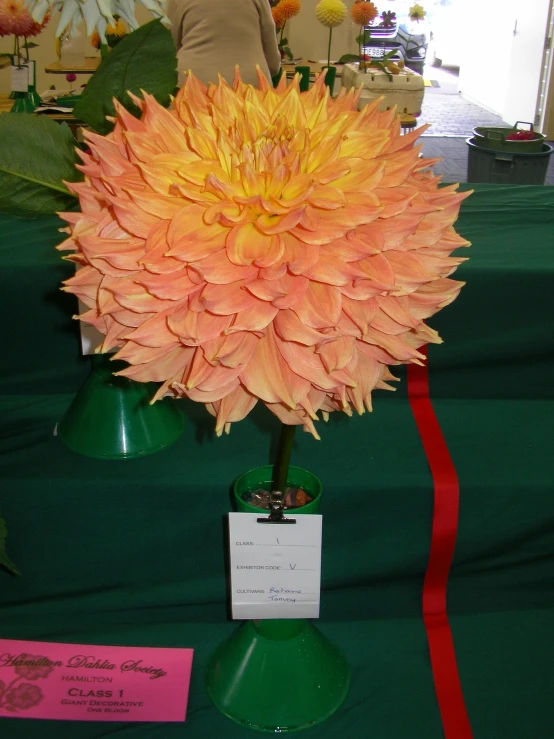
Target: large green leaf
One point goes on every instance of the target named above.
(4, 559)
(36, 154)
(143, 60)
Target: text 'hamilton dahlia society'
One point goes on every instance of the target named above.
(260, 244)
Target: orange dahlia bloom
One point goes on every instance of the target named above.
(260, 244)
(363, 12)
(16, 20)
(278, 18)
(288, 9)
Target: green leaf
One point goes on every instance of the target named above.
(5, 561)
(288, 53)
(31, 45)
(349, 58)
(360, 39)
(283, 42)
(36, 154)
(144, 60)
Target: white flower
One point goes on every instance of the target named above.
(97, 14)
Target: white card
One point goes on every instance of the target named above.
(20, 78)
(91, 338)
(275, 568)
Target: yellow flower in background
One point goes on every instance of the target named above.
(363, 12)
(262, 245)
(417, 13)
(113, 33)
(331, 13)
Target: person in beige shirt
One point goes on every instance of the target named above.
(213, 36)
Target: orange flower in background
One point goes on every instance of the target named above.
(16, 20)
(363, 12)
(278, 18)
(260, 244)
(289, 8)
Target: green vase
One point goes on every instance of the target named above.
(277, 675)
(111, 417)
(304, 73)
(24, 102)
(330, 76)
(277, 78)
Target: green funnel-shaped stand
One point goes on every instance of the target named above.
(24, 102)
(111, 417)
(277, 675)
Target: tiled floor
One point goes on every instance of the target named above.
(452, 121)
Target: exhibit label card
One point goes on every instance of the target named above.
(275, 568)
(81, 682)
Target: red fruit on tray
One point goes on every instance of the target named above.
(521, 136)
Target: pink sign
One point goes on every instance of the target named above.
(81, 682)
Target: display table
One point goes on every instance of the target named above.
(89, 67)
(133, 552)
(404, 90)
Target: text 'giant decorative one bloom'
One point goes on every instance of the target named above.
(260, 244)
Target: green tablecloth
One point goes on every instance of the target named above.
(133, 552)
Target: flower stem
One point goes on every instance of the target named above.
(281, 467)
(329, 49)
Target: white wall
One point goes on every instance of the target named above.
(309, 39)
(501, 71)
(484, 72)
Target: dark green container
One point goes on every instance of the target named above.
(277, 675)
(111, 417)
(262, 478)
(495, 138)
(507, 168)
(304, 73)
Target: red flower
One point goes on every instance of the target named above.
(32, 671)
(25, 696)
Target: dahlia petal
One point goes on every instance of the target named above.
(173, 286)
(299, 255)
(176, 360)
(218, 270)
(277, 224)
(268, 376)
(337, 354)
(211, 396)
(225, 300)
(293, 418)
(307, 363)
(193, 328)
(361, 312)
(234, 350)
(393, 345)
(205, 377)
(233, 407)
(190, 239)
(332, 271)
(154, 332)
(254, 318)
(290, 328)
(139, 354)
(137, 222)
(155, 258)
(245, 244)
(321, 306)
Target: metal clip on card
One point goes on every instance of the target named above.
(276, 506)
